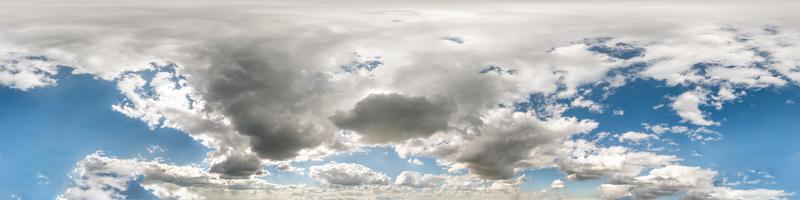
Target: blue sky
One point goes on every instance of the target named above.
(55, 127)
(49, 129)
(397, 100)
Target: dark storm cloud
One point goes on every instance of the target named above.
(238, 167)
(266, 95)
(381, 118)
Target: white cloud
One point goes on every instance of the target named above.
(687, 105)
(419, 180)
(42, 179)
(618, 112)
(656, 128)
(679, 129)
(580, 102)
(612, 191)
(100, 177)
(750, 177)
(701, 134)
(557, 184)
(506, 141)
(508, 185)
(259, 93)
(747, 76)
(415, 161)
(347, 174)
(284, 166)
(694, 182)
(152, 149)
(583, 160)
(726, 193)
(25, 72)
(636, 137)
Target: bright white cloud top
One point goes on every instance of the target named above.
(484, 89)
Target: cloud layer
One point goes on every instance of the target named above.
(270, 83)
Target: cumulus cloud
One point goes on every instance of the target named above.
(284, 90)
(25, 72)
(419, 180)
(635, 137)
(720, 193)
(618, 112)
(583, 160)
(415, 161)
(382, 118)
(166, 100)
(687, 105)
(506, 142)
(239, 166)
(580, 102)
(101, 177)
(557, 184)
(289, 168)
(693, 182)
(271, 92)
(98, 176)
(347, 174)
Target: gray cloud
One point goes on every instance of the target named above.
(266, 94)
(347, 174)
(507, 141)
(101, 177)
(239, 167)
(265, 71)
(381, 118)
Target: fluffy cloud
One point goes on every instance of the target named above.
(239, 166)
(419, 180)
(720, 193)
(26, 72)
(507, 140)
(557, 184)
(687, 105)
(100, 177)
(635, 137)
(166, 100)
(264, 99)
(347, 174)
(382, 118)
(694, 182)
(580, 102)
(583, 160)
(272, 90)
(670, 180)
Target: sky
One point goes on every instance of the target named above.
(399, 100)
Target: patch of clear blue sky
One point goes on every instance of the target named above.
(759, 131)
(47, 130)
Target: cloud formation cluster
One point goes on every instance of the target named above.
(695, 182)
(101, 177)
(346, 174)
(425, 81)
